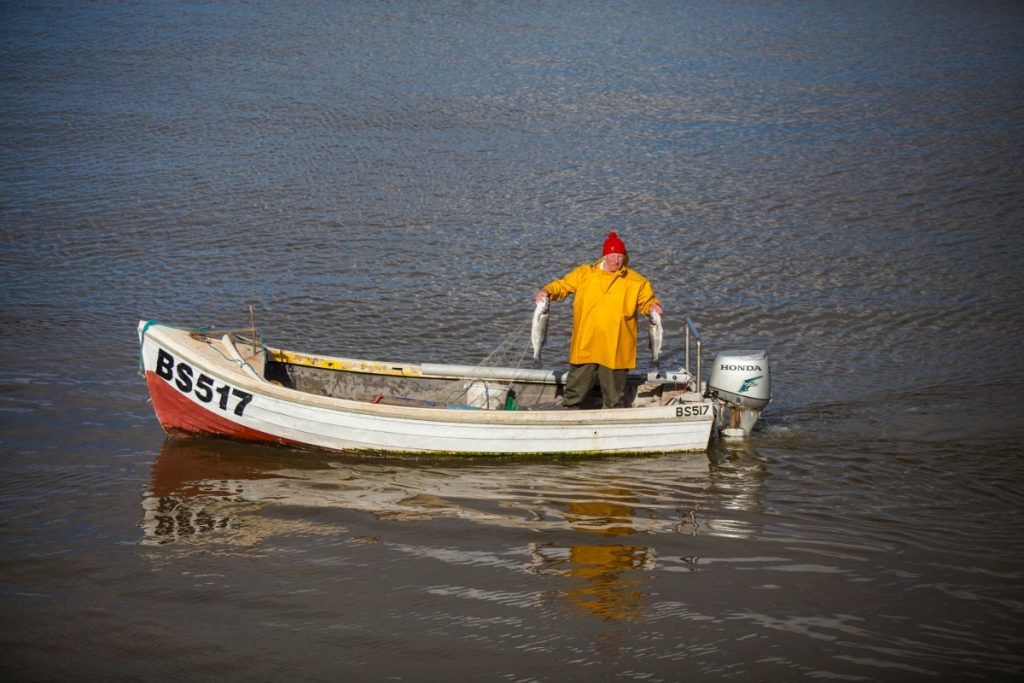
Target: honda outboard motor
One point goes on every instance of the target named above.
(741, 384)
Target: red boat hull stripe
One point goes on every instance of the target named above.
(176, 412)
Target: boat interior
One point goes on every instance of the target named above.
(436, 386)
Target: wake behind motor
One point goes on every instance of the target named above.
(740, 383)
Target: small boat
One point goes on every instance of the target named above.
(229, 383)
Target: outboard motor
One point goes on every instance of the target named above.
(740, 382)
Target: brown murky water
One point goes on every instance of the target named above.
(841, 187)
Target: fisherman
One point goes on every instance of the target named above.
(608, 296)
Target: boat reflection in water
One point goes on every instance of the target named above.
(605, 515)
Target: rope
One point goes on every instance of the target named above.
(206, 332)
(240, 362)
(142, 338)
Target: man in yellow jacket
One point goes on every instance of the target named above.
(608, 296)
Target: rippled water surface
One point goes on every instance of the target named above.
(837, 183)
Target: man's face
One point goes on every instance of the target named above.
(612, 262)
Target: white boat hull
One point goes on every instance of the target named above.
(198, 386)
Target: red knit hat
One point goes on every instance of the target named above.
(613, 245)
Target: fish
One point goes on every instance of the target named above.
(539, 333)
(655, 336)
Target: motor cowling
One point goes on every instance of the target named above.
(742, 380)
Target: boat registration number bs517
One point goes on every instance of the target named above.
(182, 376)
(698, 410)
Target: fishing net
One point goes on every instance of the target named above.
(513, 351)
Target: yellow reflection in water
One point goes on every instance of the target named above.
(612, 588)
(611, 574)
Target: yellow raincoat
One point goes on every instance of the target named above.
(604, 313)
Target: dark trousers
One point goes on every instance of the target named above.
(581, 380)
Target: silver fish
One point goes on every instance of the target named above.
(655, 335)
(539, 333)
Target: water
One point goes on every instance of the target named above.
(837, 183)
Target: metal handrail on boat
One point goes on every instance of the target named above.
(692, 329)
